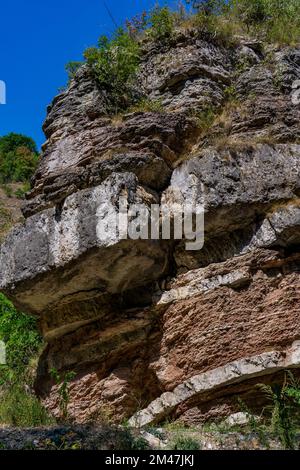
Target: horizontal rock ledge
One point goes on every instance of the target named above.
(231, 373)
(76, 248)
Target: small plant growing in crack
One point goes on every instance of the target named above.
(284, 408)
(63, 383)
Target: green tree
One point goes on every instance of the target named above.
(12, 141)
(18, 158)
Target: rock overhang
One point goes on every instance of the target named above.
(61, 251)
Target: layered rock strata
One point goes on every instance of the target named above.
(146, 324)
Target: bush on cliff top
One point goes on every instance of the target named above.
(115, 61)
(271, 20)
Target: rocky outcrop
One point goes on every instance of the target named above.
(147, 324)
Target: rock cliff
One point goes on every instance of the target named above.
(153, 330)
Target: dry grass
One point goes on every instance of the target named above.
(235, 143)
(226, 28)
(143, 106)
(146, 106)
(222, 29)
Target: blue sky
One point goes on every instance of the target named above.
(37, 39)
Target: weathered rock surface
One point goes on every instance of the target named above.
(84, 228)
(146, 324)
(233, 372)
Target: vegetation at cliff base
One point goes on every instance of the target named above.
(19, 333)
(18, 405)
(284, 408)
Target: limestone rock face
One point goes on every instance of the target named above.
(150, 328)
(82, 229)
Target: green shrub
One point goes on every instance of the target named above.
(271, 20)
(162, 23)
(284, 408)
(204, 118)
(19, 193)
(252, 13)
(186, 443)
(63, 382)
(283, 23)
(208, 7)
(115, 63)
(19, 408)
(129, 441)
(139, 443)
(22, 340)
(72, 67)
(147, 105)
(255, 424)
(276, 20)
(159, 23)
